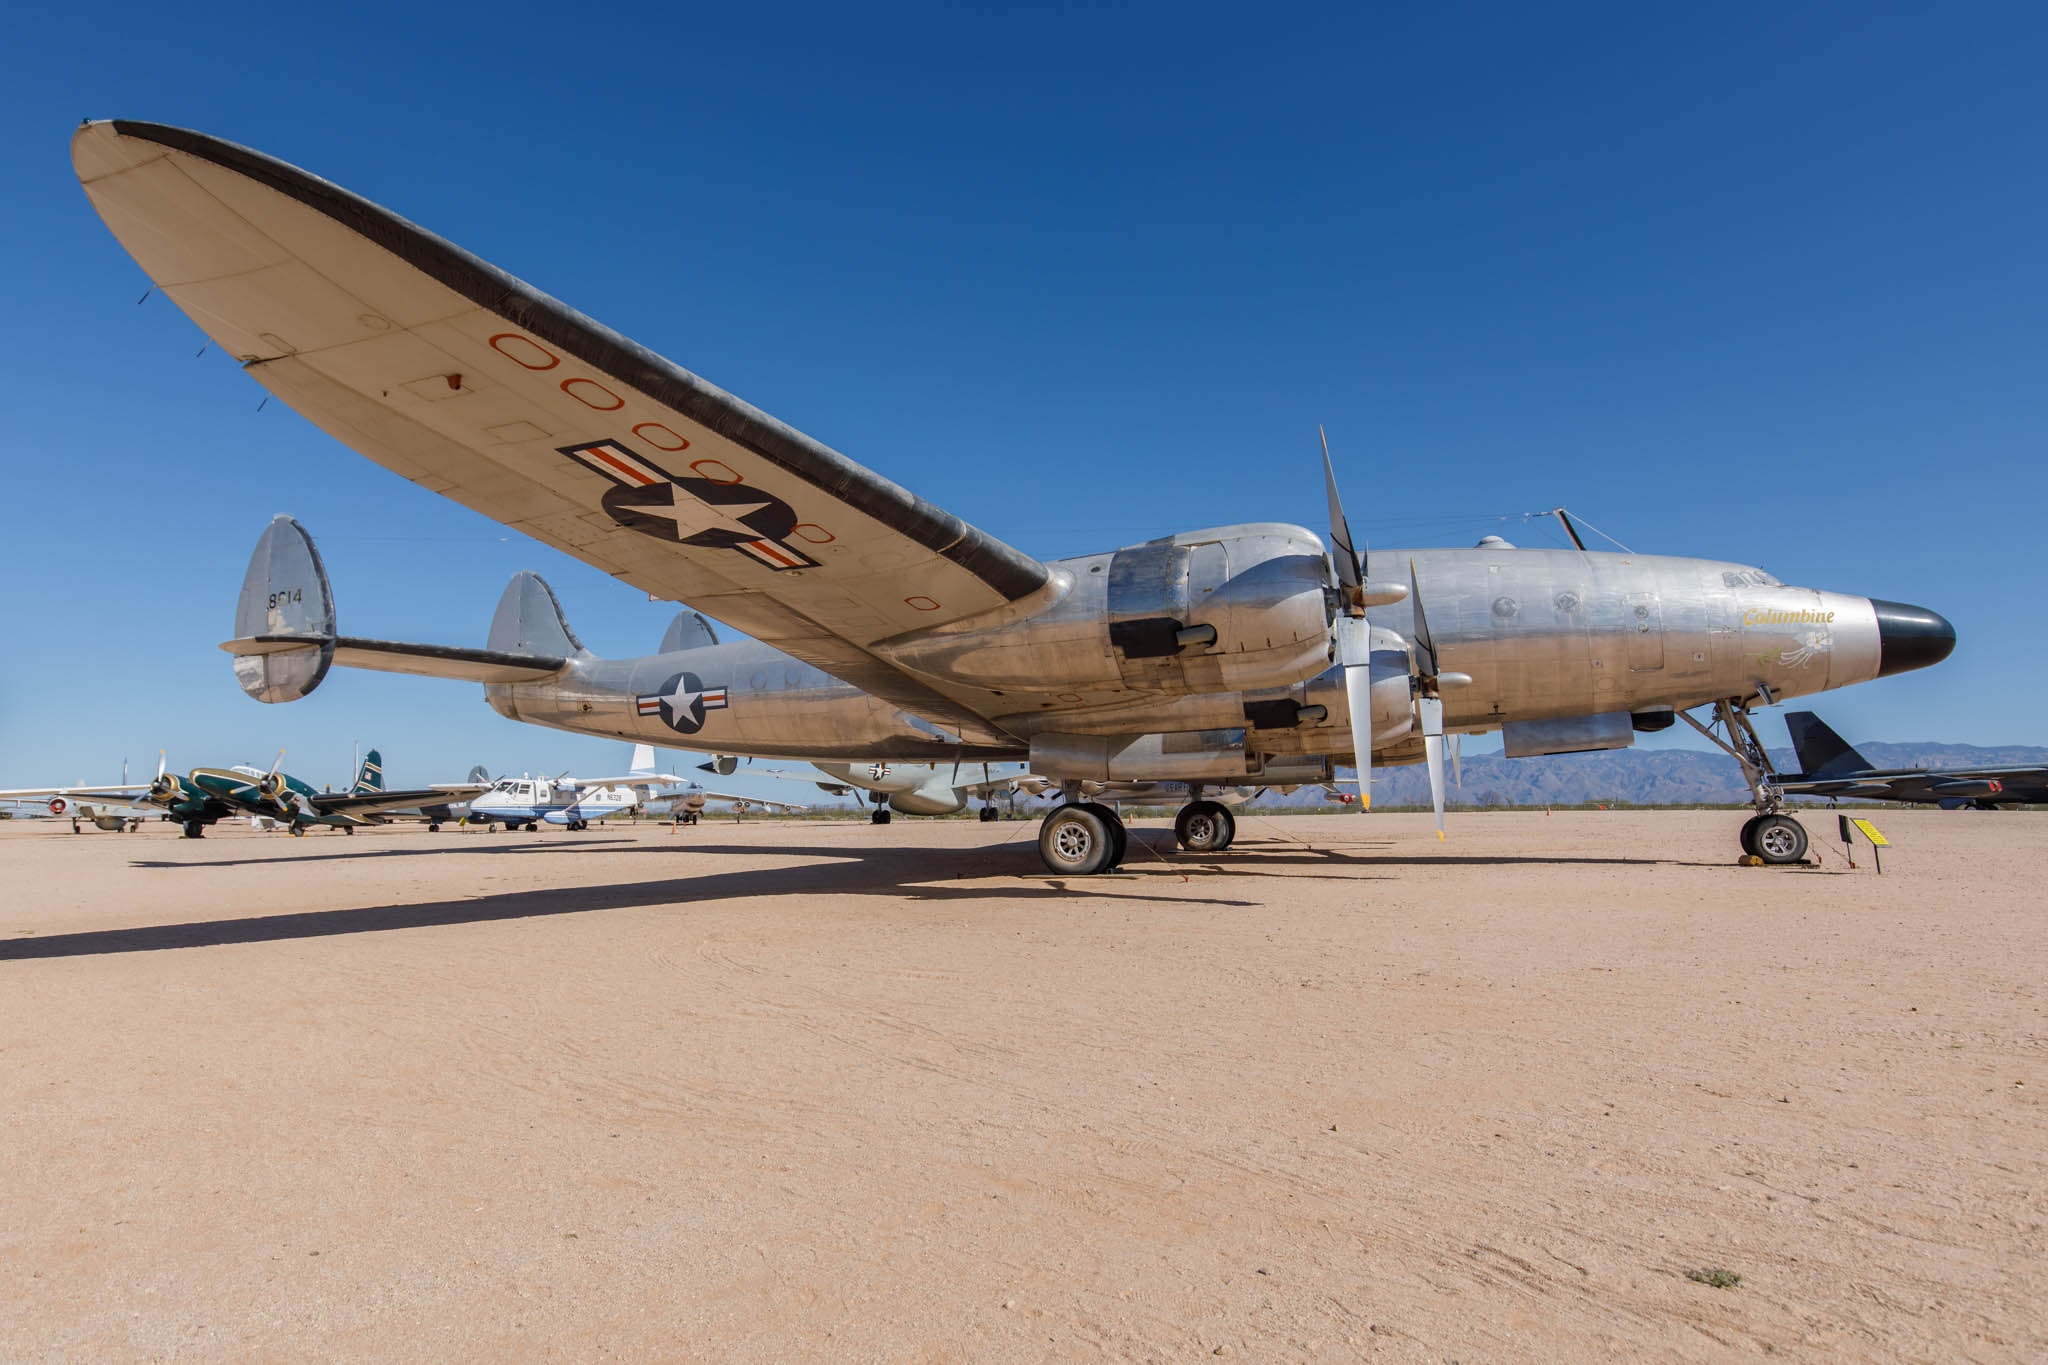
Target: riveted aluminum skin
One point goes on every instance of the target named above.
(1259, 587)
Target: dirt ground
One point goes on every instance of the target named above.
(831, 1091)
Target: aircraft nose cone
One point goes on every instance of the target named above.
(1910, 637)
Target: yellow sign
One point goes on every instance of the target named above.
(1870, 833)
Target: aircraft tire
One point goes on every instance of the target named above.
(880, 816)
(532, 827)
(1119, 836)
(433, 826)
(1204, 827)
(1076, 840)
(298, 831)
(194, 830)
(1779, 839)
(988, 813)
(1748, 836)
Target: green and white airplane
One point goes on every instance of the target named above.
(205, 796)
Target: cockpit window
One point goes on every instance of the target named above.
(1749, 578)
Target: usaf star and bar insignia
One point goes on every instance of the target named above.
(682, 703)
(706, 513)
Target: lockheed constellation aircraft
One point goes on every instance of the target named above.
(888, 629)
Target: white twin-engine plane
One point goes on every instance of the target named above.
(884, 628)
(573, 802)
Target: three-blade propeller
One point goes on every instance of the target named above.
(1354, 652)
(1354, 635)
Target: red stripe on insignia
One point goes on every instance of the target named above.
(773, 553)
(616, 463)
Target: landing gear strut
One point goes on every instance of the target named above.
(1770, 834)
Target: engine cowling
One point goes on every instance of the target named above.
(1228, 610)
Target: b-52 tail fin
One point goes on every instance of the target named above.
(1822, 752)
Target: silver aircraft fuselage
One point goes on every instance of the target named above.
(1542, 634)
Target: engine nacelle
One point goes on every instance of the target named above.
(1184, 756)
(1227, 610)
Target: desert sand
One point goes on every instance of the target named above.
(828, 1091)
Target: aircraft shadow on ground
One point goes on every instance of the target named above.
(906, 873)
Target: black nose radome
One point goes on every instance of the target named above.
(1910, 637)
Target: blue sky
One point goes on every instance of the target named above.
(1758, 282)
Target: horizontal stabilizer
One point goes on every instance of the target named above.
(394, 656)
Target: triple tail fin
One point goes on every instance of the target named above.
(529, 621)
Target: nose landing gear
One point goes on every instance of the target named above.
(1770, 835)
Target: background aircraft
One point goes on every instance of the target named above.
(206, 796)
(887, 628)
(112, 808)
(1830, 767)
(575, 802)
(914, 788)
(454, 805)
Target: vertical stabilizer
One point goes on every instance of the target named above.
(529, 621)
(643, 760)
(688, 631)
(1822, 752)
(371, 776)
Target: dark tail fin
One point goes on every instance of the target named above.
(478, 776)
(1822, 752)
(371, 778)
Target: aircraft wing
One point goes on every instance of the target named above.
(119, 795)
(479, 387)
(369, 803)
(749, 800)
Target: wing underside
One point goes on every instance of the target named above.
(479, 387)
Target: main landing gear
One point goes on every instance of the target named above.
(879, 816)
(194, 830)
(1205, 827)
(988, 813)
(1770, 835)
(1081, 838)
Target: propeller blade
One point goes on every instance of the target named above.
(1354, 651)
(159, 762)
(1430, 711)
(1457, 766)
(1424, 646)
(279, 759)
(1350, 564)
